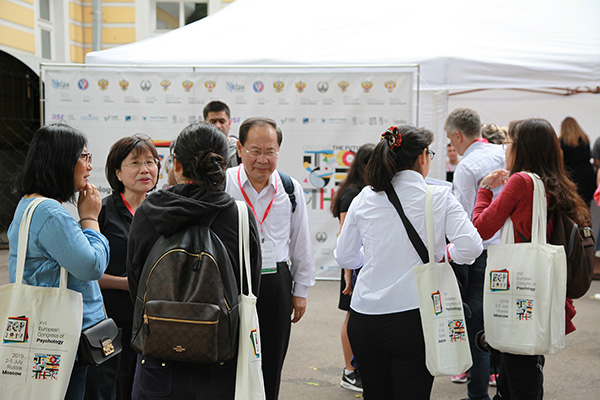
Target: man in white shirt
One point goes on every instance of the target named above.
(288, 267)
(218, 114)
(479, 158)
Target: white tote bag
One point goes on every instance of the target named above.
(444, 328)
(525, 288)
(40, 331)
(249, 384)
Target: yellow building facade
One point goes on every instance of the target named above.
(60, 31)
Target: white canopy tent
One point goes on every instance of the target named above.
(465, 44)
(459, 46)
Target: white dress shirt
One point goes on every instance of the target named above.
(373, 236)
(478, 160)
(289, 232)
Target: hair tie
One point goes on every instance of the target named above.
(393, 137)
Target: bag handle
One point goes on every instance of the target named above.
(23, 241)
(244, 245)
(414, 237)
(429, 221)
(538, 217)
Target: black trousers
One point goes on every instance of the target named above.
(521, 377)
(274, 308)
(390, 352)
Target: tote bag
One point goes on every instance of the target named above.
(440, 305)
(525, 288)
(40, 331)
(249, 384)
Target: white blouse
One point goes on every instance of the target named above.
(374, 237)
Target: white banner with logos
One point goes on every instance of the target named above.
(325, 115)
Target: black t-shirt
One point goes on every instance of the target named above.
(115, 221)
(347, 197)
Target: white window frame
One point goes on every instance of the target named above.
(212, 7)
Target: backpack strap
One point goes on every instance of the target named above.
(288, 185)
(414, 237)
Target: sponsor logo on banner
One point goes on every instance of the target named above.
(56, 84)
(90, 117)
(129, 118)
(323, 87)
(156, 118)
(165, 83)
(234, 87)
(124, 84)
(103, 84)
(290, 120)
(187, 85)
(366, 85)
(321, 237)
(210, 85)
(258, 86)
(58, 117)
(300, 86)
(278, 86)
(343, 85)
(111, 118)
(145, 85)
(390, 86)
(83, 84)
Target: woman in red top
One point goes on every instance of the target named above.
(532, 146)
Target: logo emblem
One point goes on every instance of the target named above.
(124, 84)
(366, 85)
(499, 280)
(103, 84)
(145, 85)
(210, 85)
(83, 84)
(323, 86)
(300, 86)
(165, 83)
(16, 330)
(187, 85)
(390, 86)
(343, 85)
(437, 302)
(278, 86)
(258, 86)
(321, 237)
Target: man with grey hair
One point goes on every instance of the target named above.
(479, 158)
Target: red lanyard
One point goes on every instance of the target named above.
(250, 203)
(482, 140)
(131, 210)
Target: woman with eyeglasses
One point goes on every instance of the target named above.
(531, 146)
(385, 324)
(57, 167)
(132, 169)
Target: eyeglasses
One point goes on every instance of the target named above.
(87, 157)
(258, 153)
(505, 144)
(138, 164)
(169, 162)
(431, 154)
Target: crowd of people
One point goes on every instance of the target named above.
(383, 346)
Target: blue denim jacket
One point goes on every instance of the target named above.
(55, 239)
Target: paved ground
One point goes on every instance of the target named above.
(314, 362)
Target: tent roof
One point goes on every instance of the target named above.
(463, 44)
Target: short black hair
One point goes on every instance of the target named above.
(202, 151)
(216, 106)
(50, 164)
(120, 150)
(258, 121)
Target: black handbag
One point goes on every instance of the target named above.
(99, 343)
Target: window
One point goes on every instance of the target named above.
(45, 10)
(173, 15)
(46, 44)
